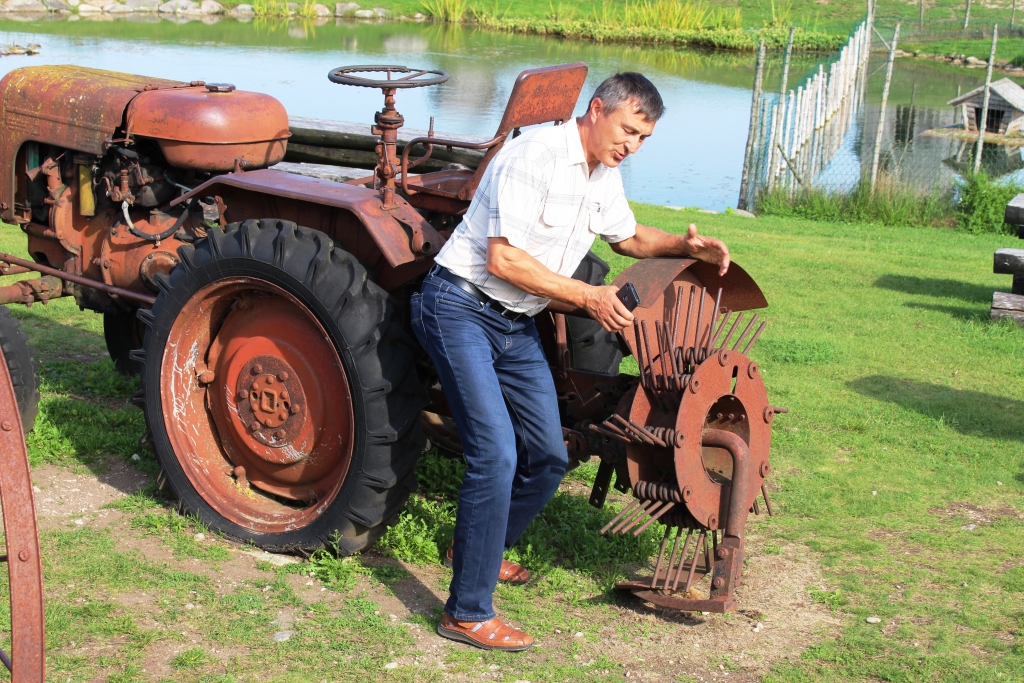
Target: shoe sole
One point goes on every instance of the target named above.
(460, 637)
(448, 563)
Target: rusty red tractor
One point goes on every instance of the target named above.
(285, 397)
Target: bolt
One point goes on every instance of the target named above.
(255, 426)
(694, 385)
(7, 426)
(769, 415)
(723, 357)
(295, 409)
(257, 369)
(206, 377)
(280, 434)
(23, 556)
(687, 493)
(722, 553)
(242, 393)
(679, 439)
(718, 582)
(752, 370)
(765, 468)
(270, 380)
(283, 376)
(712, 521)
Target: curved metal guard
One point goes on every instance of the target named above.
(24, 569)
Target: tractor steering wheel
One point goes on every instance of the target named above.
(344, 76)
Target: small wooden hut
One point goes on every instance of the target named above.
(1005, 107)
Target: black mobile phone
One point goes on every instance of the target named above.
(628, 296)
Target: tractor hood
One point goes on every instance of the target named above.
(209, 127)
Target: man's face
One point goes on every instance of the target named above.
(617, 133)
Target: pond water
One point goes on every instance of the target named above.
(694, 158)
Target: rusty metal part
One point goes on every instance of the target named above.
(77, 279)
(156, 263)
(211, 127)
(538, 96)
(29, 291)
(394, 231)
(263, 407)
(24, 568)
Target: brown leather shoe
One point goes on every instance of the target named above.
(510, 572)
(493, 634)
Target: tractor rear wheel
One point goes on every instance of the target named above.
(591, 347)
(22, 366)
(280, 389)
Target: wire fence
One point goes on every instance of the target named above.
(863, 118)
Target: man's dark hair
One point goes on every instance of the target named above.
(630, 86)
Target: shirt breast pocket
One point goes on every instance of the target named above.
(595, 220)
(556, 220)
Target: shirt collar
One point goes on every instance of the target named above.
(573, 143)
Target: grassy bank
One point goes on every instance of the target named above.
(898, 473)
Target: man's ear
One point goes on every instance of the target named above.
(596, 109)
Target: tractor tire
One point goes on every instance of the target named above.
(280, 390)
(123, 333)
(22, 367)
(591, 347)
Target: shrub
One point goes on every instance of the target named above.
(982, 202)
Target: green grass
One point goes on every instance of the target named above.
(905, 426)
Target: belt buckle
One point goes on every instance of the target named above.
(510, 315)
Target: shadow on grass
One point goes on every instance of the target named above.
(958, 312)
(935, 286)
(969, 412)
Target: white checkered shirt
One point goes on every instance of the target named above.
(537, 193)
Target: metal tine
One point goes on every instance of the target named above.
(675, 549)
(619, 516)
(753, 321)
(693, 564)
(607, 424)
(675, 317)
(639, 353)
(718, 332)
(640, 434)
(631, 517)
(767, 503)
(714, 316)
(700, 322)
(735, 322)
(657, 505)
(707, 555)
(650, 356)
(661, 556)
(682, 561)
(676, 373)
(646, 432)
(661, 352)
(686, 331)
(756, 507)
(609, 433)
(753, 339)
(654, 518)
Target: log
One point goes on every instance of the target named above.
(338, 174)
(1009, 306)
(1014, 213)
(1008, 262)
(357, 136)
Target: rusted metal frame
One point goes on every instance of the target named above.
(78, 279)
(27, 662)
(449, 144)
(27, 292)
(743, 476)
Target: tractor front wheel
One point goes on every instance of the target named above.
(280, 389)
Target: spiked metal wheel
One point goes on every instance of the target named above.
(697, 432)
(26, 661)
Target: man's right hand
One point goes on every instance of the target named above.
(603, 305)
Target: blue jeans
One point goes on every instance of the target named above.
(502, 396)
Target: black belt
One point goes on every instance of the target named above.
(475, 292)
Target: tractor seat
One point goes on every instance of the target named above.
(544, 95)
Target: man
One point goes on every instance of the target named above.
(543, 200)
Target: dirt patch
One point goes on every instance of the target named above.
(62, 495)
(975, 514)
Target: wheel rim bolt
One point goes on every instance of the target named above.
(257, 369)
(283, 376)
(295, 409)
(255, 426)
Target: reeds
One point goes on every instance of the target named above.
(447, 11)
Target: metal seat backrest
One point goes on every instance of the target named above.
(543, 95)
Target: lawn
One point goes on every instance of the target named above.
(898, 476)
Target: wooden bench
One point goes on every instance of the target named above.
(1011, 262)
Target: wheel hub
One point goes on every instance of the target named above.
(270, 401)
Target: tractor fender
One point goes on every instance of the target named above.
(393, 231)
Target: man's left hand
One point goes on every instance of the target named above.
(706, 249)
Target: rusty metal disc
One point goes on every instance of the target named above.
(24, 568)
(258, 407)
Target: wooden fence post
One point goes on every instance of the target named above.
(773, 159)
(983, 121)
(967, 14)
(881, 113)
(920, 15)
(755, 111)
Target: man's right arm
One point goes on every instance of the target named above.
(518, 268)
